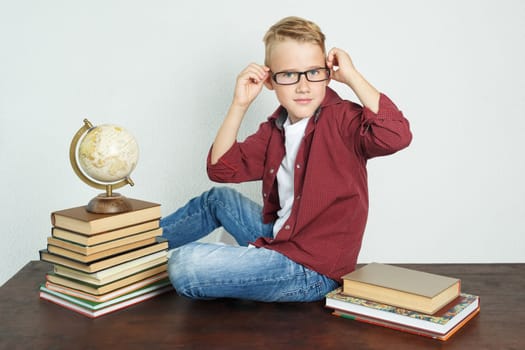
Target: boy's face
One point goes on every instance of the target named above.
(302, 99)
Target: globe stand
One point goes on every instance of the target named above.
(109, 203)
(105, 203)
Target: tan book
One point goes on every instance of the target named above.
(111, 295)
(128, 268)
(98, 281)
(402, 287)
(79, 220)
(98, 248)
(99, 255)
(99, 290)
(162, 244)
(99, 238)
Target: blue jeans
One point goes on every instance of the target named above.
(207, 271)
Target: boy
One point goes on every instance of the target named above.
(311, 157)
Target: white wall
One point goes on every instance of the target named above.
(166, 69)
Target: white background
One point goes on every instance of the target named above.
(165, 70)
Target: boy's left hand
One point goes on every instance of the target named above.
(341, 66)
(342, 70)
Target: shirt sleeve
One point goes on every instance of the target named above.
(244, 161)
(384, 132)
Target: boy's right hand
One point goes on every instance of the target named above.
(249, 84)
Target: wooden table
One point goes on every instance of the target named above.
(172, 322)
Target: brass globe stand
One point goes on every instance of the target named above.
(105, 203)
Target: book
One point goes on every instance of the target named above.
(402, 287)
(107, 296)
(407, 329)
(105, 288)
(90, 312)
(160, 245)
(98, 281)
(79, 220)
(126, 268)
(108, 236)
(81, 257)
(88, 249)
(96, 305)
(438, 325)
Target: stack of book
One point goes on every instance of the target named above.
(404, 299)
(105, 262)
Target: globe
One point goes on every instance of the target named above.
(104, 157)
(108, 153)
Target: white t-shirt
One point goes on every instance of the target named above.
(293, 135)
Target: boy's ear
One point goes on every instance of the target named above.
(268, 82)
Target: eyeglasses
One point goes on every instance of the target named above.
(312, 75)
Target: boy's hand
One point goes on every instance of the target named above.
(249, 84)
(341, 66)
(343, 70)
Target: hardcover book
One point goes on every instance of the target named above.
(405, 328)
(54, 248)
(97, 248)
(91, 310)
(111, 295)
(108, 236)
(79, 220)
(161, 245)
(105, 288)
(402, 287)
(97, 305)
(439, 324)
(116, 272)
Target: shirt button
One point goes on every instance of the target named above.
(264, 195)
(272, 171)
(298, 166)
(287, 227)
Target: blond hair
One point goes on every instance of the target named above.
(295, 28)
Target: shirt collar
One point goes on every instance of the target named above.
(280, 114)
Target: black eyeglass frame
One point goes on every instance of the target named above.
(305, 73)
